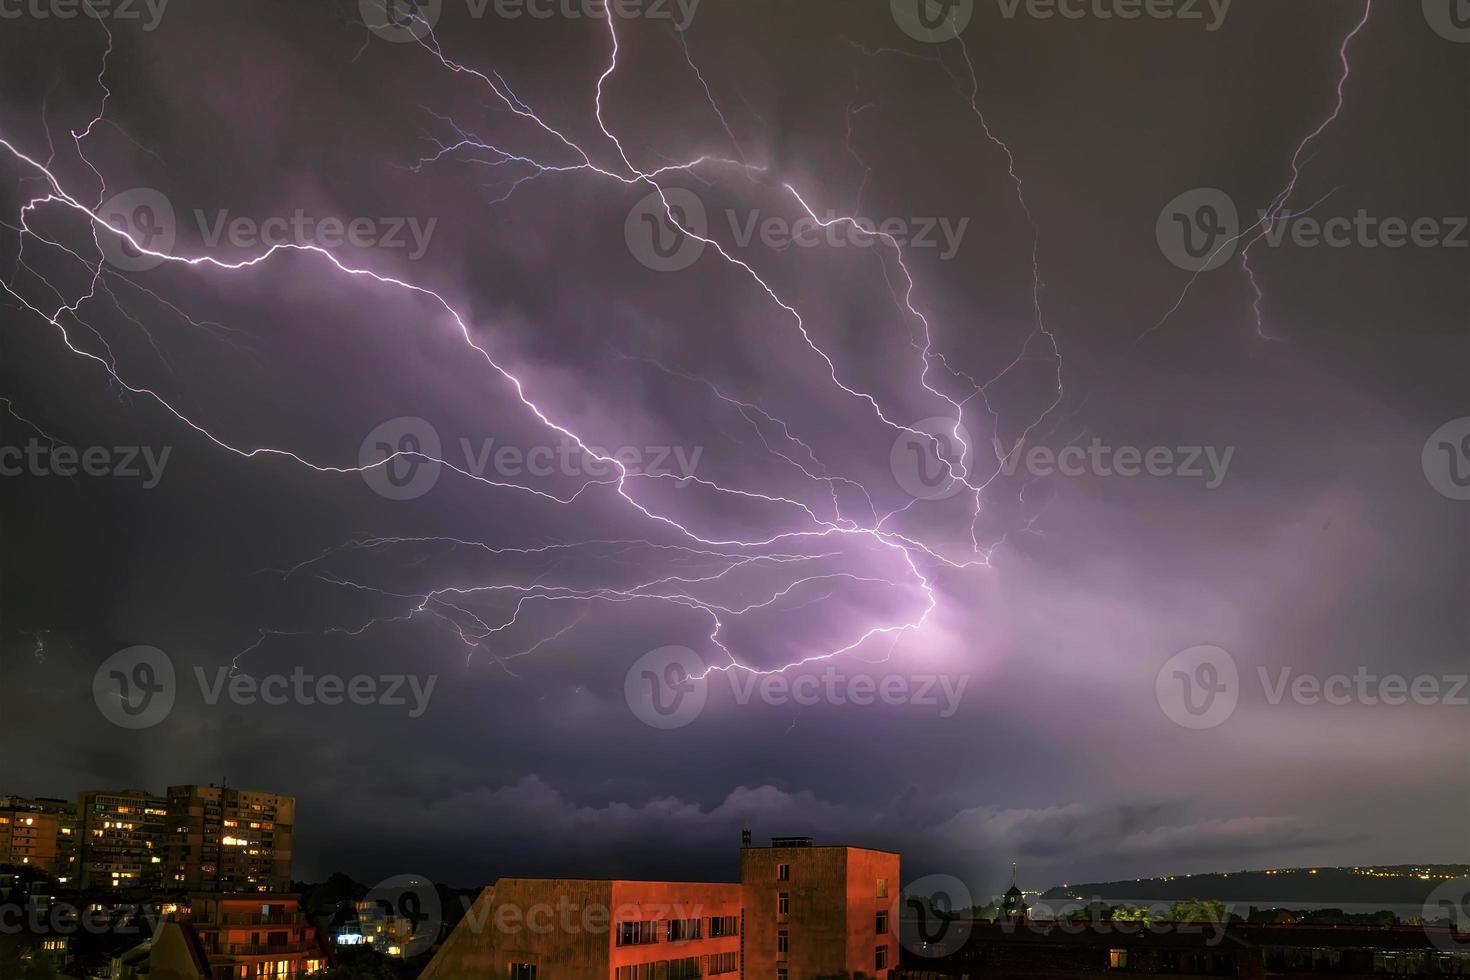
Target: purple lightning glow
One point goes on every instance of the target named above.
(852, 549)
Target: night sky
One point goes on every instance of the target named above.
(795, 380)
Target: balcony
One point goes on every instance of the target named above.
(253, 919)
(265, 949)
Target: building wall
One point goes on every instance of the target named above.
(663, 900)
(568, 928)
(31, 835)
(833, 898)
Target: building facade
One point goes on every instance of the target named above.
(229, 840)
(239, 937)
(121, 839)
(40, 834)
(195, 838)
(815, 911)
(799, 912)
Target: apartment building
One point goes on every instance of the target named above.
(39, 833)
(799, 912)
(239, 937)
(228, 840)
(194, 838)
(120, 839)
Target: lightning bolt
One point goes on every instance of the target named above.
(822, 548)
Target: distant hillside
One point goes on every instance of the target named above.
(1383, 885)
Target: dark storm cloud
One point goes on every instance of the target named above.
(1323, 548)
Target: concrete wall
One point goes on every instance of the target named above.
(833, 901)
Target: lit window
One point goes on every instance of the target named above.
(882, 888)
(1117, 959)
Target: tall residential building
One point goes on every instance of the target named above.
(223, 839)
(121, 836)
(38, 833)
(799, 913)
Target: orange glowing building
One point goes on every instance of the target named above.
(239, 937)
(799, 912)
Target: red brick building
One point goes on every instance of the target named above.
(799, 912)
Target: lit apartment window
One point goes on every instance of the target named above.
(882, 888)
(523, 971)
(783, 943)
(1117, 959)
(783, 872)
(880, 958)
(880, 925)
(783, 904)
